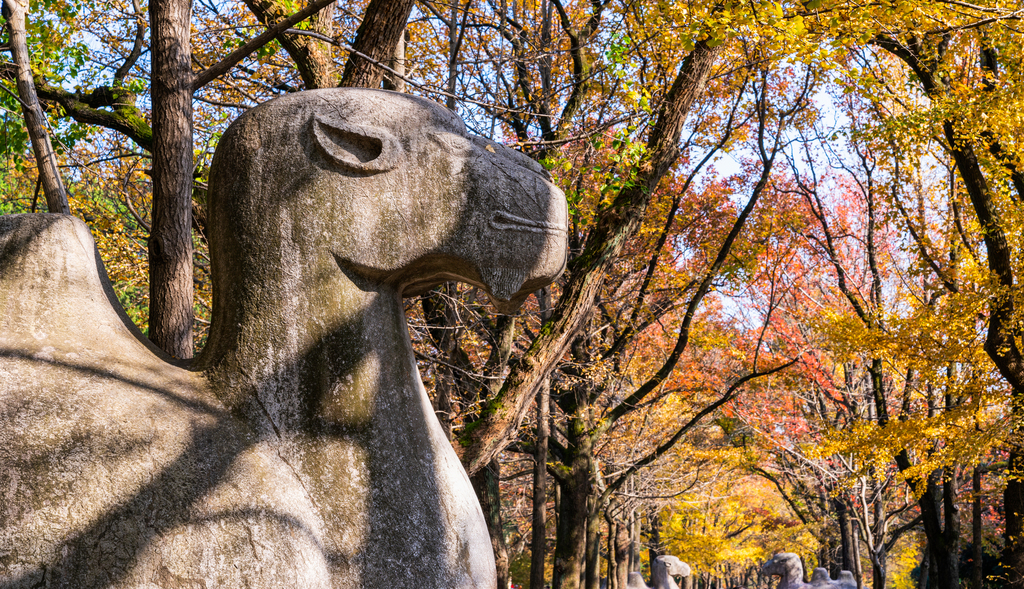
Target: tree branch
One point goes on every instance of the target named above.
(220, 68)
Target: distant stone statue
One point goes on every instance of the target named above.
(789, 568)
(665, 568)
(820, 578)
(300, 449)
(847, 580)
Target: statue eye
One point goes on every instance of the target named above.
(355, 148)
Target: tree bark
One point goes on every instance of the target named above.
(1013, 504)
(621, 556)
(654, 551)
(313, 58)
(924, 581)
(377, 36)
(938, 514)
(977, 574)
(634, 542)
(612, 573)
(847, 538)
(396, 81)
(15, 12)
(540, 491)
(570, 540)
(878, 570)
(593, 578)
(485, 483)
(170, 241)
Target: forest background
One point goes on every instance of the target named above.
(791, 315)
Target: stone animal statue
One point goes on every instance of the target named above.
(789, 568)
(847, 580)
(821, 579)
(665, 568)
(300, 449)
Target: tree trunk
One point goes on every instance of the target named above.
(941, 526)
(443, 328)
(654, 550)
(1013, 505)
(170, 240)
(593, 579)
(610, 574)
(933, 570)
(977, 574)
(454, 41)
(556, 493)
(15, 12)
(825, 553)
(485, 483)
(570, 540)
(396, 81)
(538, 546)
(847, 537)
(634, 542)
(878, 569)
(926, 568)
(858, 571)
(621, 555)
(377, 36)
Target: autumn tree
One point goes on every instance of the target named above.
(962, 66)
(14, 13)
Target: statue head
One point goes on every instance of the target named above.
(665, 569)
(392, 187)
(783, 564)
(672, 566)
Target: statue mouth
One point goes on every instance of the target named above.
(508, 222)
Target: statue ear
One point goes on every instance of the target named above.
(359, 149)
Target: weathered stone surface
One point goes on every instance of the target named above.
(300, 449)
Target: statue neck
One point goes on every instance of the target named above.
(661, 579)
(795, 572)
(311, 346)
